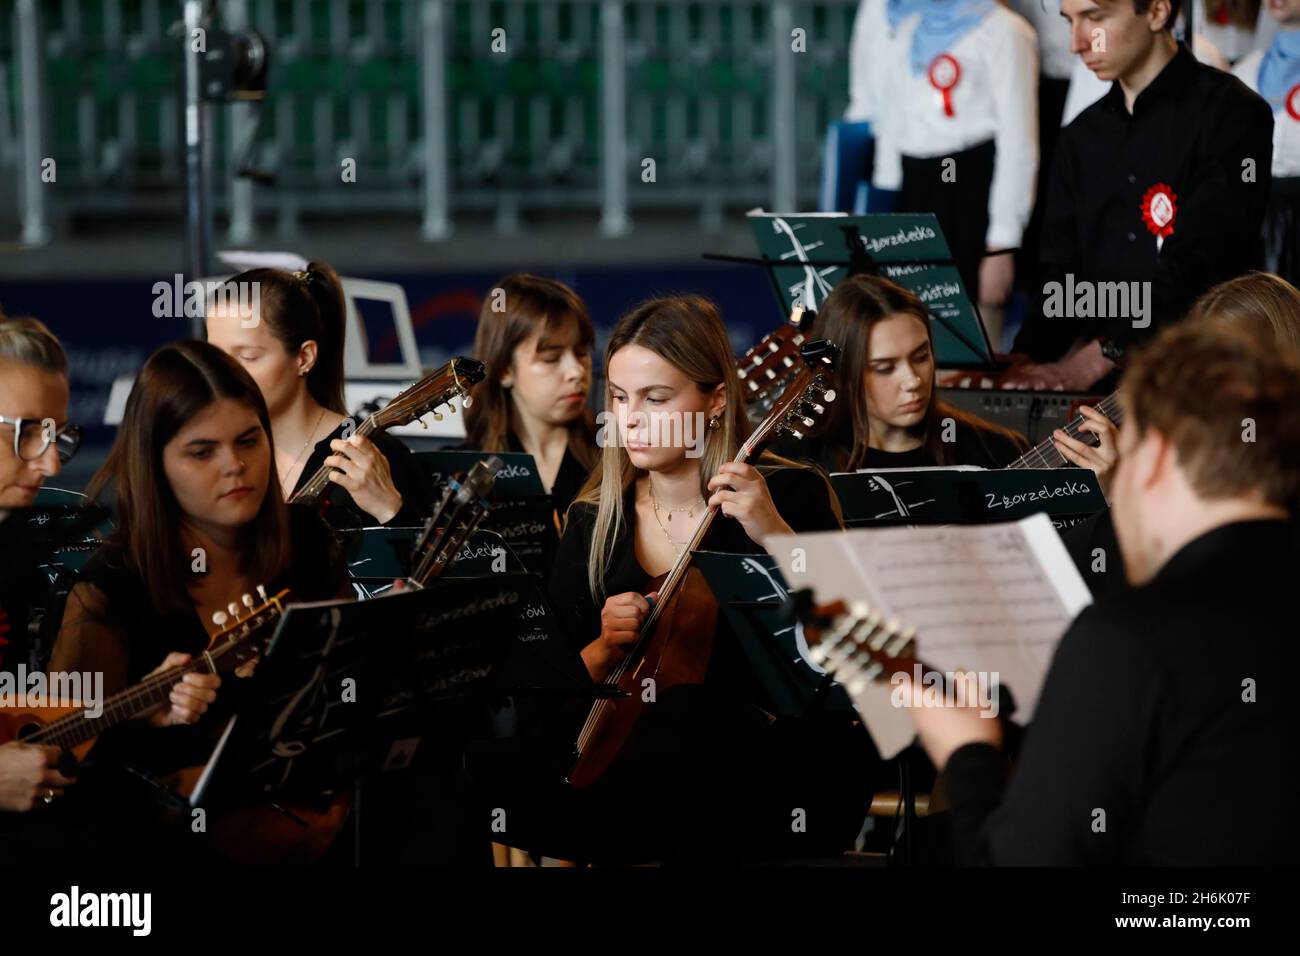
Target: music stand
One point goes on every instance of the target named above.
(347, 691)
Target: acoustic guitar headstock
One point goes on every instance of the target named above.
(803, 405)
(771, 365)
(452, 380)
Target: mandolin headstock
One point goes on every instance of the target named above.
(450, 381)
(858, 644)
(246, 626)
(463, 505)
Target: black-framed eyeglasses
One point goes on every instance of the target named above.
(33, 437)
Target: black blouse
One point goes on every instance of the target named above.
(317, 572)
(973, 445)
(801, 495)
(568, 480)
(337, 506)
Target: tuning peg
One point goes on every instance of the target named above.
(796, 433)
(770, 374)
(451, 408)
(753, 386)
(248, 600)
(219, 618)
(828, 395)
(437, 417)
(261, 593)
(773, 347)
(423, 424)
(233, 608)
(466, 402)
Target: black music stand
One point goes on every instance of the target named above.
(915, 496)
(348, 691)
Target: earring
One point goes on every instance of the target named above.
(715, 423)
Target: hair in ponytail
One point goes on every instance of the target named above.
(307, 306)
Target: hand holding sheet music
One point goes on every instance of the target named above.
(994, 599)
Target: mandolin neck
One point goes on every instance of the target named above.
(151, 694)
(315, 488)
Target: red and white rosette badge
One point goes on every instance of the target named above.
(945, 71)
(1293, 102)
(1159, 209)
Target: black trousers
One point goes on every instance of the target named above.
(709, 780)
(1282, 229)
(961, 205)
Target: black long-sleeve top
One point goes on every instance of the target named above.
(1165, 726)
(340, 511)
(1196, 130)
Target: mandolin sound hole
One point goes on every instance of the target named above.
(25, 731)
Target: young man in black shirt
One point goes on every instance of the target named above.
(1157, 192)
(1165, 699)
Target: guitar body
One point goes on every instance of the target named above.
(677, 654)
(263, 835)
(20, 724)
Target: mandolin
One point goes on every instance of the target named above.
(451, 380)
(463, 506)
(72, 728)
(676, 640)
(771, 365)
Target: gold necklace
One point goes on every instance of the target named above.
(690, 513)
(310, 435)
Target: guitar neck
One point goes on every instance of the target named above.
(139, 700)
(1045, 453)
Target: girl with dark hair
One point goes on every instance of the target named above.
(888, 414)
(535, 339)
(292, 346)
(198, 525)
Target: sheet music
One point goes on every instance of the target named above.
(992, 598)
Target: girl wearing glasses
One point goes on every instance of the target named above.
(33, 410)
(35, 437)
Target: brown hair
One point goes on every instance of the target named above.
(532, 303)
(1201, 384)
(28, 342)
(846, 318)
(1260, 302)
(177, 382)
(307, 306)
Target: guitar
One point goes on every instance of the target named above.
(451, 380)
(771, 365)
(676, 640)
(1045, 453)
(72, 728)
(463, 506)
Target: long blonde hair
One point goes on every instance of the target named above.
(688, 333)
(1264, 304)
